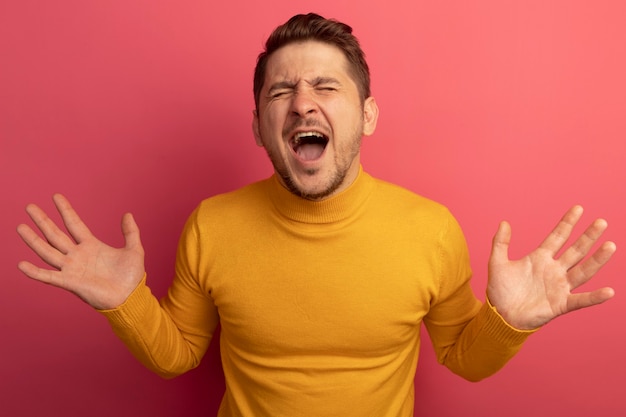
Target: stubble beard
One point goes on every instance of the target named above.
(336, 181)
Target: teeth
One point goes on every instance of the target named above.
(300, 135)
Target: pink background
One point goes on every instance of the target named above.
(499, 109)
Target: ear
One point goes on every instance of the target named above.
(370, 116)
(255, 127)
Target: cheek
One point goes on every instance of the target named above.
(272, 120)
(270, 130)
(345, 119)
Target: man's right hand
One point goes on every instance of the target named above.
(100, 275)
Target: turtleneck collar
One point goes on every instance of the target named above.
(331, 210)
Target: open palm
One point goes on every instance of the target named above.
(531, 291)
(101, 275)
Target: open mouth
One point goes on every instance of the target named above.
(309, 146)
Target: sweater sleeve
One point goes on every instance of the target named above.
(469, 338)
(169, 336)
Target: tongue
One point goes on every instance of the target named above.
(310, 151)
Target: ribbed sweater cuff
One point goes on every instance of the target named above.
(133, 309)
(494, 325)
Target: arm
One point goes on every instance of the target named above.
(170, 336)
(113, 281)
(469, 337)
(475, 341)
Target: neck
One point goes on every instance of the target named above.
(337, 207)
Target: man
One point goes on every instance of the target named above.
(320, 275)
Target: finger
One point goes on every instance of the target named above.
(559, 235)
(40, 274)
(500, 244)
(579, 249)
(47, 276)
(588, 299)
(77, 228)
(131, 232)
(583, 272)
(53, 234)
(42, 248)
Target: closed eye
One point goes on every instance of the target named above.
(280, 89)
(278, 94)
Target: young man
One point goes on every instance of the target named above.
(320, 275)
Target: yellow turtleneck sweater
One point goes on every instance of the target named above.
(320, 303)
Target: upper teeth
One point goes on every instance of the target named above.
(300, 135)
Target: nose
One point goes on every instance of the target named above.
(303, 103)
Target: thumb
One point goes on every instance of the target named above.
(500, 244)
(131, 232)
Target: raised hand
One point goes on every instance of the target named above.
(530, 292)
(100, 275)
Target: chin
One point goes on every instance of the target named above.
(315, 192)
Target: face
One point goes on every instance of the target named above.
(310, 119)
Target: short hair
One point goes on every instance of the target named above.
(304, 27)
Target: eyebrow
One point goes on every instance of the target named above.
(324, 80)
(288, 85)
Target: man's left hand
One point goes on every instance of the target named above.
(531, 291)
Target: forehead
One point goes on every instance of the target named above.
(301, 60)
